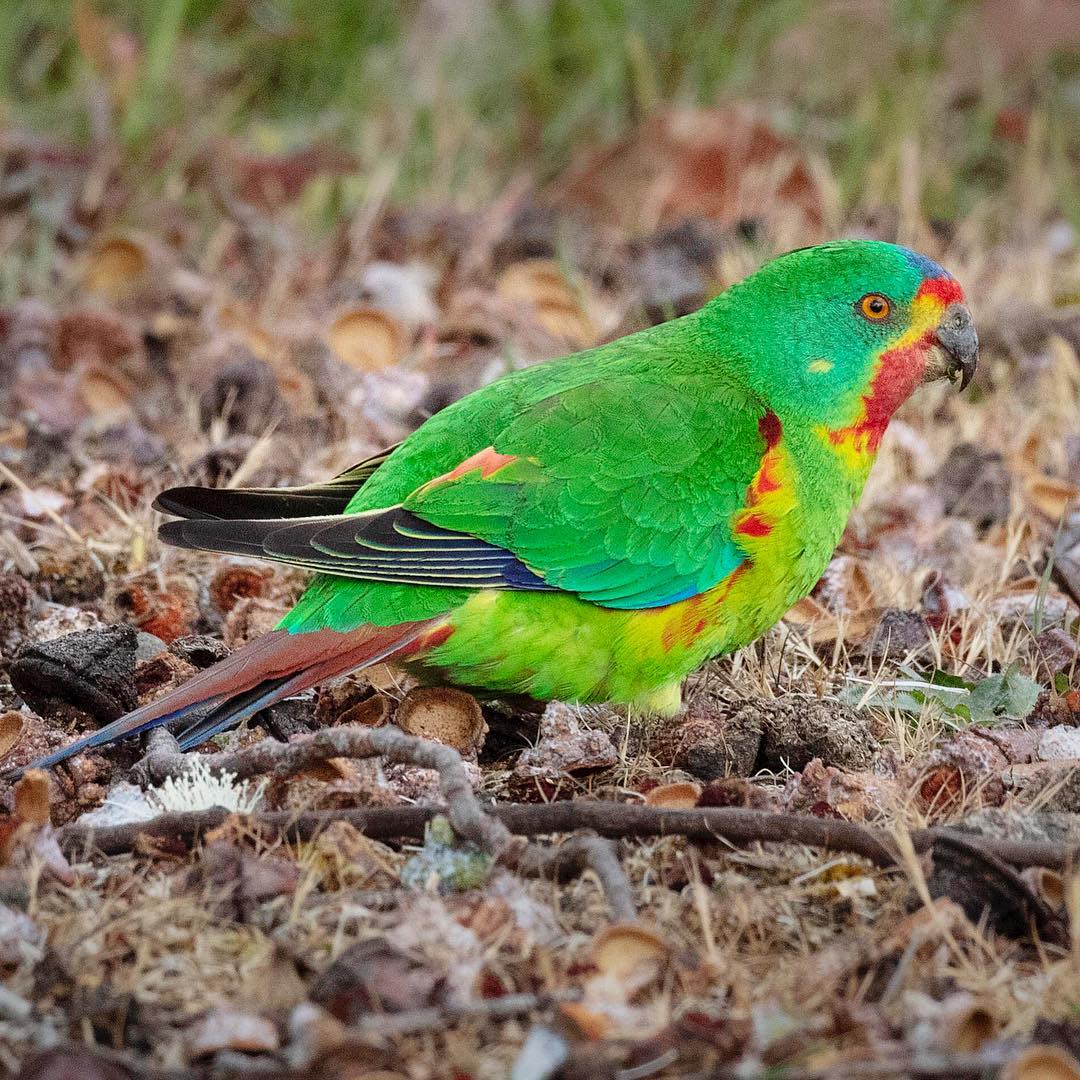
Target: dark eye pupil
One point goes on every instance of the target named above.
(877, 306)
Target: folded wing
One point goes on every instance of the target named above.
(619, 492)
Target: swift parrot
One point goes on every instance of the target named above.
(594, 528)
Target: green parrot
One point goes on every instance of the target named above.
(594, 528)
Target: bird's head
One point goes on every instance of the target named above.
(841, 334)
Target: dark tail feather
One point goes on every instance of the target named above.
(311, 500)
(262, 672)
(197, 503)
(233, 711)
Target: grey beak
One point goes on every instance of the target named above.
(956, 335)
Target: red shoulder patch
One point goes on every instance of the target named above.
(488, 461)
(753, 525)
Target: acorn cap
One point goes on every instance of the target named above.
(445, 715)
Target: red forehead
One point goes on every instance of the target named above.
(945, 289)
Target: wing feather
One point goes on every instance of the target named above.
(621, 491)
(232, 504)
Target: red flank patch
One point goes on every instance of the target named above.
(771, 429)
(754, 525)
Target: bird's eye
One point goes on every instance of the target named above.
(874, 306)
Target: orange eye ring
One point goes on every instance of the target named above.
(875, 307)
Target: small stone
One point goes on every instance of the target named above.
(90, 672)
(826, 791)
(60, 620)
(199, 650)
(897, 636)
(565, 745)
(1057, 650)
(1059, 742)
(160, 674)
(969, 766)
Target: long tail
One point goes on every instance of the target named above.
(266, 670)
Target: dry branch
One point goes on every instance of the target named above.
(579, 853)
(609, 819)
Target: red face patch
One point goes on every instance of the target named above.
(898, 373)
(945, 289)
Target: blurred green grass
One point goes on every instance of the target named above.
(460, 95)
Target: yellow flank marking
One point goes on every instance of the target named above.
(820, 367)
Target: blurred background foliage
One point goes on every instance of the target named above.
(449, 99)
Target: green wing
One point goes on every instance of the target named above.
(619, 490)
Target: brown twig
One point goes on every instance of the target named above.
(610, 819)
(273, 758)
(579, 853)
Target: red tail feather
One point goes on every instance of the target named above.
(295, 661)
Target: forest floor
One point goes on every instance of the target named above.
(850, 856)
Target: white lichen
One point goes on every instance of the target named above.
(197, 788)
